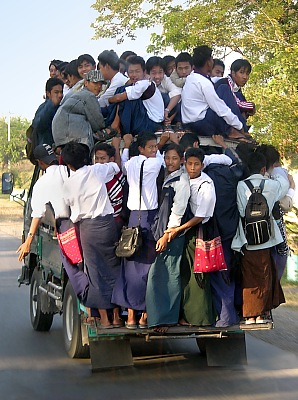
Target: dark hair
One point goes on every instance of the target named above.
(201, 55)
(134, 60)
(86, 57)
(109, 57)
(126, 54)
(184, 57)
(240, 63)
(244, 150)
(154, 61)
(72, 69)
(51, 82)
(271, 154)
(145, 137)
(76, 155)
(195, 152)
(188, 140)
(167, 59)
(55, 63)
(110, 150)
(174, 146)
(217, 61)
(255, 162)
(61, 67)
(133, 149)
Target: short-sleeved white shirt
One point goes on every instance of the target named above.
(202, 197)
(85, 191)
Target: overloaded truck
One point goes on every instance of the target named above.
(51, 293)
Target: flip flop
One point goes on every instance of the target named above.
(143, 326)
(241, 139)
(131, 326)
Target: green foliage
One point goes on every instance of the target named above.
(263, 31)
(13, 149)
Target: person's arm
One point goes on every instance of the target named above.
(217, 159)
(172, 104)
(219, 106)
(116, 144)
(24, 249)
(117, 98)
(173, 232)
(93, 112)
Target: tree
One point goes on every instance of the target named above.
(263, 31)
(13, 149)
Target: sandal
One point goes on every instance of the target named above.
(103, 135)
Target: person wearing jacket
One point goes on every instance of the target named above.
(79, 117)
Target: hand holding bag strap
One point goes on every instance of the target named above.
(140, 194)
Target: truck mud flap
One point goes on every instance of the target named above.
(227, 351)
(110, 352)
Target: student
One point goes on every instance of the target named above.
(108, 63)
(53, 68)
(130, 287)
(140, 107)
(163, 293)
(79, 116)
(42, 122)
(48, 189)
(202, 110)
(229, 90)
(105, 153)
(91, 211)
(196, 306)
(218, 70)
(75, 82)
(261, 288)
(184, 66)
(273, 167)
(169, 65)
(170, 92)
(86, 63)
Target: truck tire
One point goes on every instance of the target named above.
(40, 321)
(72, 325)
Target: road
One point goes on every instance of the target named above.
(34, 365)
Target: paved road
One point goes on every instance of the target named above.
(34, 365)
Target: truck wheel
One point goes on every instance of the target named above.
(72, 325)
(39, 320)
(202, 346)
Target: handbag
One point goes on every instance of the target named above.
(209, 255)
(131, 238)
(70, 246)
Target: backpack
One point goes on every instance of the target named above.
(256, 222)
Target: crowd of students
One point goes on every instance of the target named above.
(97, 187)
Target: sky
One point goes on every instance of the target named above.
(34, 32)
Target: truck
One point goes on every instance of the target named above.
(51, 293)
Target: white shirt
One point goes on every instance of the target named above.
(49, 189)
(154, 105)
(273, 191)
(85, 191)
(149, 200)
(198, 95)
(167, 86)
(117, 81)
(202, 197)
(182, 194)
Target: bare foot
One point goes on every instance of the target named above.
(182, 322)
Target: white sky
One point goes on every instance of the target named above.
(34, 32)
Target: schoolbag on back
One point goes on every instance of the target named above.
(256, 222)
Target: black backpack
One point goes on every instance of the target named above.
(256, 222)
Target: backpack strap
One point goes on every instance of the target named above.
(251, 187)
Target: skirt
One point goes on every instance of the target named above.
(163, 294)
(130, 286)
(260, 285)
(98, 237)
(196, 303)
